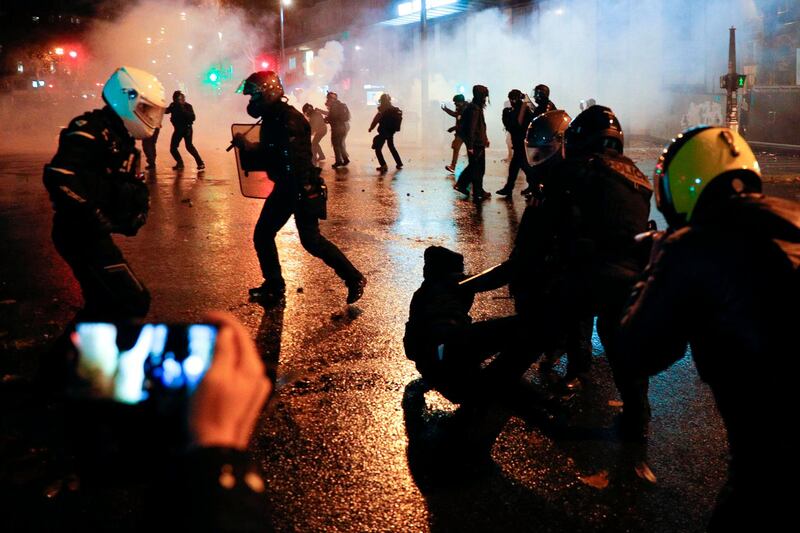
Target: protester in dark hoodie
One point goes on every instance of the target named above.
(182, 117)
(473, 132)
(388, 119)
(318, 130)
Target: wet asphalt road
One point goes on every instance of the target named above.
(352, 441)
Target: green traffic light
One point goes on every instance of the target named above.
(740, 80)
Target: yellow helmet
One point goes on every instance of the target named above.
(694, 159)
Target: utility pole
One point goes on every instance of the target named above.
(283, 55)
(732, 82)
(423, 99)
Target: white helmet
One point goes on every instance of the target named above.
(137, 97)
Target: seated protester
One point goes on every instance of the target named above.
(439, 314)
(725, 279)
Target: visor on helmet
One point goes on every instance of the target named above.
(149, 114)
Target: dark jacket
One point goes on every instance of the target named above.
(225, 491)
(93, 178)
(384, 120)
(181, 115)
(338, 115)
(473, 127)
(729, 286)
(285, 142)
(512, 124)
(577, 246)
(317, 121)
(544, 108)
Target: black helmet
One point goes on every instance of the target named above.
(265, 83)
(308, 108)
(545, 136)
(459, 98)
(541, 93)
(595, 128)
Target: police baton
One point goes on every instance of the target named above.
(231, 147)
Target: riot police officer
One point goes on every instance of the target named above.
(725, 278)
(575, 255)
(285, 144)
(94, 184)
(541, 99)
(516, 119)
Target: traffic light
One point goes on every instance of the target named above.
(733, 82)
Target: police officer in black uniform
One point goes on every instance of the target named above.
(516, 119)
(285, 144)
(725, 278)
(575, 255)
(541, 98)
(94, 184)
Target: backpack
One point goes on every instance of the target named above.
(393, 118)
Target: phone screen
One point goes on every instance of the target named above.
(133, 363)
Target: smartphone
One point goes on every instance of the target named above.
(134, 363)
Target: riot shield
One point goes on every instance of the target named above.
(254, 181)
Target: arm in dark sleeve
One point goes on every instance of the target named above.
(75, 180)
(450, 112)
(375, 121)
(190, 113)
(223, 491)
(170, 108)
(654, 327)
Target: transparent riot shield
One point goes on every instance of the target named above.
(254, 181)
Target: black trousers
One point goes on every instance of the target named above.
(183, 134)
(519, 161)
(149, 148)
(111, 290)
(338, 136)
(378, 143)
(474, 172)
(316, 149)
(279, 206)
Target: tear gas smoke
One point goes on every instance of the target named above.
(649, 60)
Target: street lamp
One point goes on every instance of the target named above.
(282, 3)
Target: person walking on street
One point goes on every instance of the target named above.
(473, 131)
(516, 119)
(285, 144)
(338, 116)
(460, 102)
(388, 119)
(182, 117)
(318, 130)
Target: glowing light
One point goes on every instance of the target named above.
(286, 3)
(309, 60)
(219, 34)
(559, 11)
(182, 15)
(149, 40)
(264, 64)
(59, 51)
(213, 76)
(189, 46)
(153, 61)
(51, 85)
(172, 377)
(73, 54)
(358, 47)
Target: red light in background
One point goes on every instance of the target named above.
(59, 51)
(73, 54)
